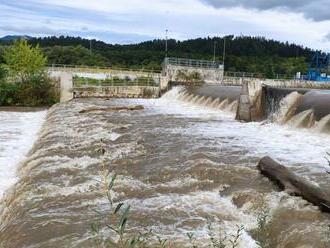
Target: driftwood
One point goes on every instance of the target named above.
(293, 184)
(112, 109)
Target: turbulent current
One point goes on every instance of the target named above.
(181, 164)
(18, 130)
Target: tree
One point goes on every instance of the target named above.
(25, 62)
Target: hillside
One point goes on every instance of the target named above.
(248, 54)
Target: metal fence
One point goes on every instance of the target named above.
(55, 67)
(193, 63)
(115, 81)
(257, 75)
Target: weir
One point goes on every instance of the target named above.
(172, 158)
(260, 97)
(254, 99)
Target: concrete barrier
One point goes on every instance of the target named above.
(116, 92)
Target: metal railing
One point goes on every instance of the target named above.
(257, 75)
(193, 63)
(83, 82)
(54, 67)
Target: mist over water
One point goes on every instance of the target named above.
(181, 163)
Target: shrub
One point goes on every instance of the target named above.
(38, 91)
(24, 62)
(8, 94)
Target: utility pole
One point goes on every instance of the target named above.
(166, 48)
(214, 48)
(90, 45)
(224, 52)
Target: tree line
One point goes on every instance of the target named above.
(243, 53)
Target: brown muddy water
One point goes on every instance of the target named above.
(181, 163)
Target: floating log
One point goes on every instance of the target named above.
(293, 184)
(112, 109)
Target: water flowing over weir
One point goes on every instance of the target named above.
(18, 131)
(180, 161)
(299, 109)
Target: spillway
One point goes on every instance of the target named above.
(181, 162)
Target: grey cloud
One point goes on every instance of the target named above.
(318, 10)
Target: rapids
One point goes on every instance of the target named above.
(181, 162)
(18, 131)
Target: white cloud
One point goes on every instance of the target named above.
(141, 19)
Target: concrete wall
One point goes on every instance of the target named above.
(117, 92)
(66, 84)
(68, 91)
(209, 75)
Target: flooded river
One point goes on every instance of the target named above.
(180, 165)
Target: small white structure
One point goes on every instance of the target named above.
(210, 71)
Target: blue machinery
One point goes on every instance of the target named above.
(319, 68)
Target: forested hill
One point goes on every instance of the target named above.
(249, 54)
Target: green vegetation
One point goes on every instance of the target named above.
(115, 81)
(261, 233)
(244, 54)
(328, 160)
(23, 79)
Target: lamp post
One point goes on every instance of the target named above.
(214, 47)
(224, 52)
(166, 47)
(90, 44)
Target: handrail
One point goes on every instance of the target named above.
(102, 68)
(193, 63)
(115, 81)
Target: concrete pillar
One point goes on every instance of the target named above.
(66, 81)
(244, 104)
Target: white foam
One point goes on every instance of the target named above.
(293, 146)
(18, 131)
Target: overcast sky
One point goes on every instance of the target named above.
(306, 22)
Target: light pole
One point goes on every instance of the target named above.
(224, 52)
(214, 47)
(166, 48)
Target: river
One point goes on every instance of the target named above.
(181, 166)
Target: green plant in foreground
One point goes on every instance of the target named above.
(326, 238)
(192, 240)
(262, 232)
(221, 239)
(116, 219)
(328, 160)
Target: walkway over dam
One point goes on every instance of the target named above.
(78, 82)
